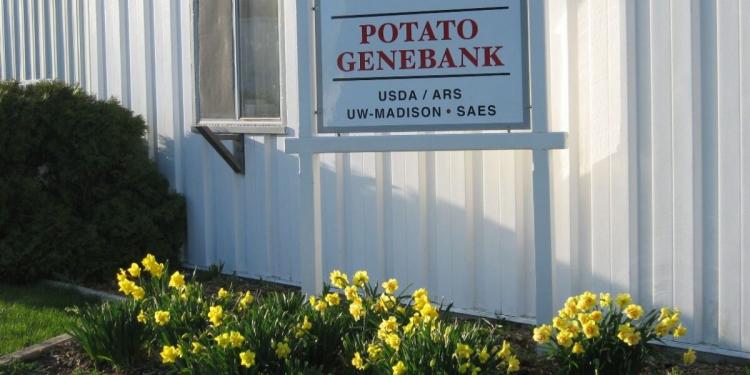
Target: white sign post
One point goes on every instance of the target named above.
(389, 56)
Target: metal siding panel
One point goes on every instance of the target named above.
(400, 252)
(444, 229)
(510, 253)
(600, 149)
(4, 47)
(663, 185)
(745, 172)
(620, 147)
(710, 136)
(461, 250)
(730, 154)
(683, 142)
(584, 133)
(333, 256)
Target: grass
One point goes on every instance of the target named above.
(32, 314)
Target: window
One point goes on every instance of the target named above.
(239, 73)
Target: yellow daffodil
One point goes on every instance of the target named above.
(586, 301)
(148, 262)
(387, 302)
(399, 368)
(634, 312)
(283, 350)
(623, 300)
(463, 351)
(505, 351)
(596, 316)
(222, 293)
(689, 357)
(305, 325)
(665, 313)
(605, 299)
(542, 334)
(633, 339)
(661, 329)
(390, 286)
(513, 364)
(177, 280)
(584, 318)
(223, 340)
(559, 323)
(134, 270)
(126, 287)
(574, 328)
(247, 359)
(565, 339)
(419, 294)
(246, 300)
(321, 307)
(373, 351)
(122, 276)
(357, 310)
(591, 330)
(161, 317)
(357, 362)
(138, 293)
(393, 341)
(351, 292)
(156, 270)
(389, 325)
(170, 353)
(578, 348)
(197, 347)
(680, 331)
(429, 313)
(483, 355)
(624, 331)
(215, 315)
(236, 339)
(333, 299)
(142, 318)
(338, 279)
(361, 279)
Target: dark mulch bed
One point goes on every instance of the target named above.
(70, 359)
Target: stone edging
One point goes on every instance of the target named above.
(35, 351)
(87, 291)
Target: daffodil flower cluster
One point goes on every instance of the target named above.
(589, 325)
(227, 331)
(403, 324)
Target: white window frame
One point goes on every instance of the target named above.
(245, 125)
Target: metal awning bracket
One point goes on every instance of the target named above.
(236, 159)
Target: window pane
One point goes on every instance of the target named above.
(216, 64)
(259, 59)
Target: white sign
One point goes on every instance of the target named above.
(397, 65)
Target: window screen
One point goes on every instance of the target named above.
(216, 64)
(260, 95)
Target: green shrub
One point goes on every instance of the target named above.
(110, 332)
(600, 335)
(79, 195)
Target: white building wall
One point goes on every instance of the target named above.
(653, 196)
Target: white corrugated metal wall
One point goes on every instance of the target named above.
(653, 196)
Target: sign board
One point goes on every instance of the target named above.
(430, 65)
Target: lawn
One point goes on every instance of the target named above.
(32, 314)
